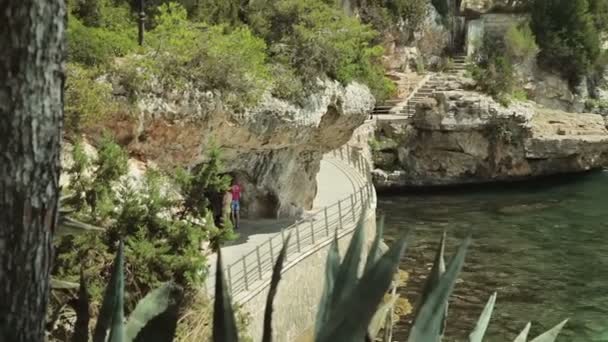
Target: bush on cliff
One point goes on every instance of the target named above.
(220, 45)
(520, 43)
(86, 101)
(567, 33)
(162, 234)
(317, 40)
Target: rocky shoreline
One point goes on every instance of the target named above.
(463, 137)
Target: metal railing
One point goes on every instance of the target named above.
(248, 271)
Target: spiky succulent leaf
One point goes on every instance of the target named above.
(153, 304)
(274, 284)
(81, 307)
(428, 323)
(432, 281)
(69, 226)
(57, 284)
(111, 298)
(374, 251)
(484, 320)
(523, 335)
(117, 329)
(332, 267)
(551, 334)
(379, 317)
(350, 318)
(224, 324)
(346, 280)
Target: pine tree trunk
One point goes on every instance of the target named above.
(31, 112)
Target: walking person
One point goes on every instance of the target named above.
(236, 190)
(226, 208)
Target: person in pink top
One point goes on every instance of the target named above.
(236, 190)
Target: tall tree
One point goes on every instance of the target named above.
(31, 112)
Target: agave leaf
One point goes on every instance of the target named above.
(57, 284)
(67, 226)
(153, 304)
(523, 336)
(331, 272)
(551, 334)
(81, 307)
(428, 324)
(347, 276)
(374, 252)
(351, 317)
(432, 281)
(379, 317)
(117, 330)
(224, 326)
(112, 299)
(484, 320)
(274, 284)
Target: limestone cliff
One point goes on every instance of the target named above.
(461, 137)
(274, 149)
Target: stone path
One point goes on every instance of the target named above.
(403, 109)
(334, 183)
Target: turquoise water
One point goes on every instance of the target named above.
(542, 245)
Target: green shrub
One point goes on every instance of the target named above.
(378, 16)
(319, 40)
(218, 11)
(567, 36)
(599, 10)
(86, 101)
(495, 78)
(162, 230)
(520, 43)
(413, 13)
(285, 84)
(519, 95)
(215, 58)
(96, 46)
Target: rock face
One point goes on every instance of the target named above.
(274, 149)
(462, 137)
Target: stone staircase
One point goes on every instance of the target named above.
(429, 85)
(459, 64)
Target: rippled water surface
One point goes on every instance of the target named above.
(543, 246)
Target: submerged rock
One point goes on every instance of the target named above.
(462, 137)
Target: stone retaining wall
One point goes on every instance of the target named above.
(300, 289)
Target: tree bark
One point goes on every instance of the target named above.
(31, 112)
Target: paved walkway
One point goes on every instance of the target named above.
(334, 183)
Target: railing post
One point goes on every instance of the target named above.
(257, 252)
(326, 221)
(271, 251)
(340, 213)
(298, 237)
(245, 274)
(283, 244)
(312, 230)
(352, 206)
(228, 270)
(361, 197)
(348, 154)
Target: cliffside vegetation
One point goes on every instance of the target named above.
(563, 37)
(237, 49)
(568, 33)
(164, 222)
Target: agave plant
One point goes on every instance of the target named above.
(348, 303)
(111, 326)
(348, 310)
(430, 317)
